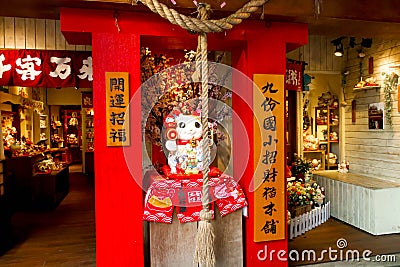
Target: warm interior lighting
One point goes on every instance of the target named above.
(339, 50)
(338, 46)
(361, 53)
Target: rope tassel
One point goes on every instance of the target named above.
(205, 254)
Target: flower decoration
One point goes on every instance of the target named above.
(172, 89)
(299, 194)
(389, 83)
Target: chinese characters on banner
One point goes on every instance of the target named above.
(270, 214)
(117, 114)
(294, 75)
(36, 68)
(87, 100)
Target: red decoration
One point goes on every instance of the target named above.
(163, 195)
(294, 75)
(36, 68)
(87, 100)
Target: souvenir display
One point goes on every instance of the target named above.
(175, 125)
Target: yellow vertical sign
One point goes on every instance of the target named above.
(270, 214)
(117, 114)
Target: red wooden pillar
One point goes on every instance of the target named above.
(119, 234)
(265, 53)
(255, 48)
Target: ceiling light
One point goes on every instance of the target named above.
(339, 50)
(338, 46)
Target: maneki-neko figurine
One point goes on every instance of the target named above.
(183, 134)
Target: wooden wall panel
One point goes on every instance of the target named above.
(40, 34)
(1, 32)
(60, 40)
(318, 54)
(50, 34)
(365, 149)
(9, 40)
(30, 32)
(20, 33)
(323, 52)
(373, 152)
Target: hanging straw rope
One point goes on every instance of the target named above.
(204, 254)
(199, 25)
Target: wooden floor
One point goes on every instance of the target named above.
(66, 235)
(326, 235)
(62, 237)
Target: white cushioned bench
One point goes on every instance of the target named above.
(367, 203)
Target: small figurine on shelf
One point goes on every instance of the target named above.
(333, 136)
(73, 121)
(343, 167)
(310, 143)
(334, 119)
(325, 134)
(331, 158)
(43, 136)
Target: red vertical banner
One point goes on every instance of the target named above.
(7, 65)
(87, 100)
(294, 75)
(28, 69)
(270, 215)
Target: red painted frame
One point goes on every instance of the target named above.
(256, 48)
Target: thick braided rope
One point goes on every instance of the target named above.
(200, 25)
(202, 56)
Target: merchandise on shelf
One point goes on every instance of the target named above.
(327, 127)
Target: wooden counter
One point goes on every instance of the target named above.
(21, 172)
(358, 180)
(368, 203)
(49, 189)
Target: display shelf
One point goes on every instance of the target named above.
(318, 154)
(366, 88)
(327, 121)
(88, 140)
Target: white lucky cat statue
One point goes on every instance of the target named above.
(185, 152)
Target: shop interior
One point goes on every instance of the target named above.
(54, 128)
(55, 121)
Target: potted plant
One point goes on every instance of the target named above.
(301, 167)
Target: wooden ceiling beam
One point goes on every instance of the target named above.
(340, 17)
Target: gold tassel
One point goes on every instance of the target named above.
(205, 254)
